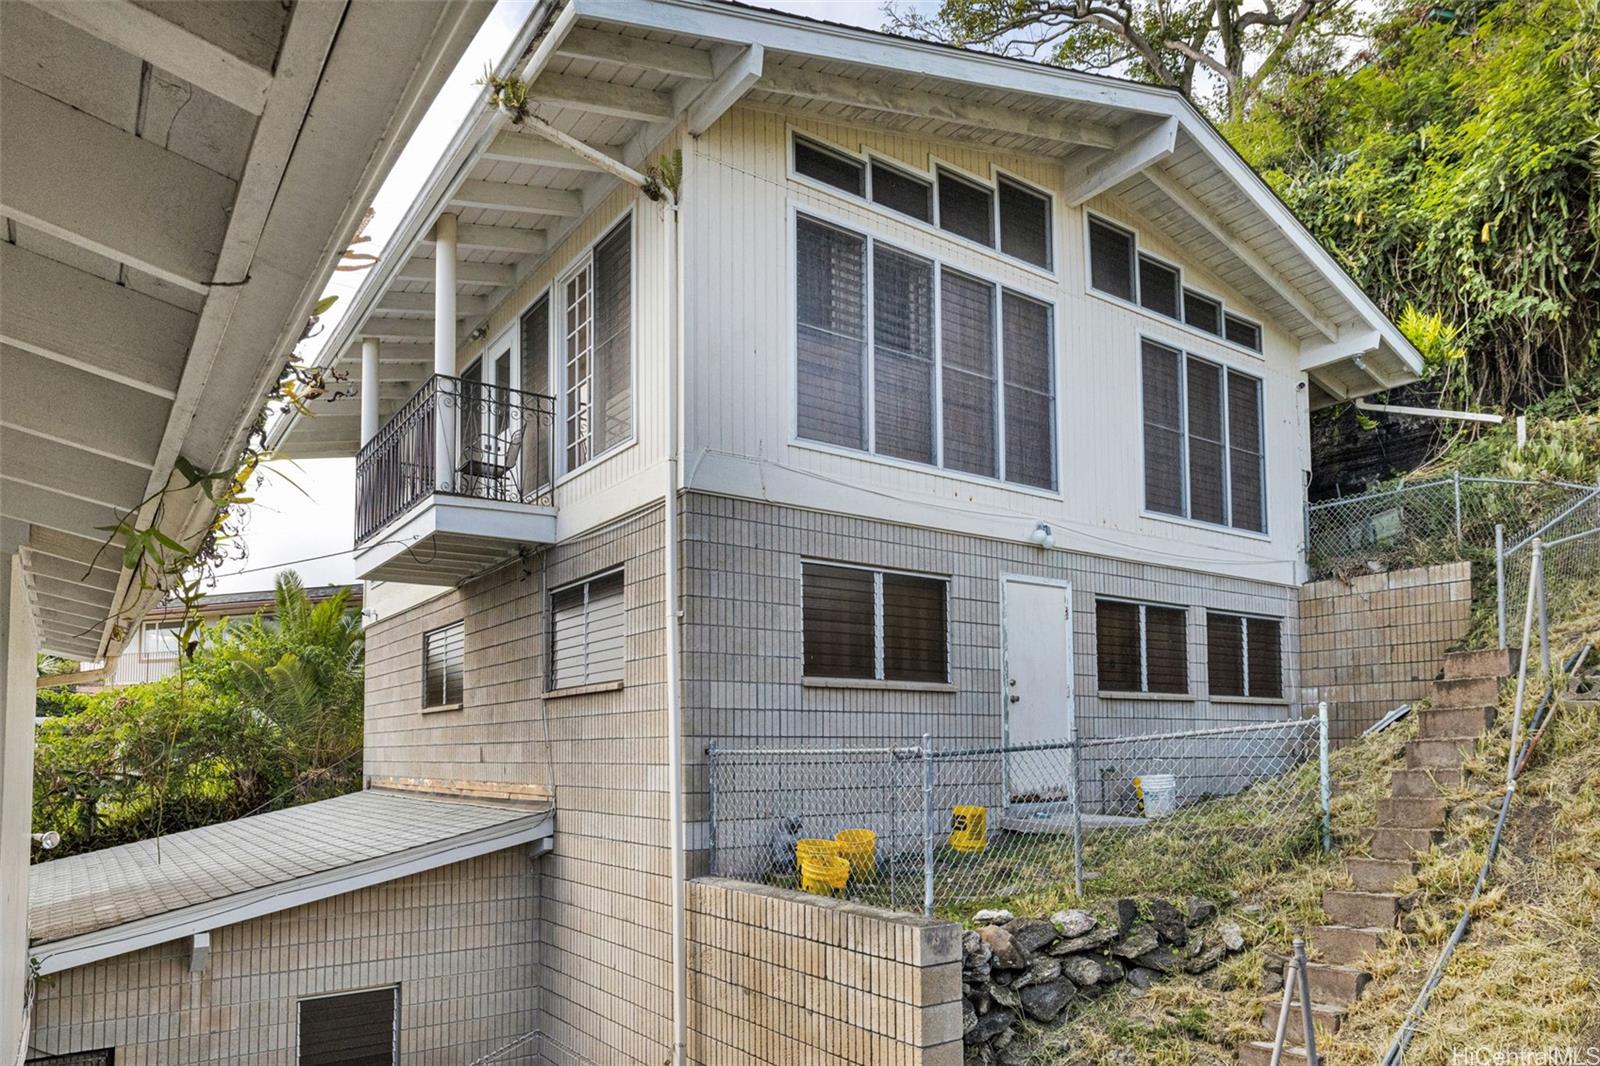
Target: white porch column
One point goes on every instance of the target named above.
(369, 388)
(444, 295)
(17, 651)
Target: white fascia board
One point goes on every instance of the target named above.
(76, 951)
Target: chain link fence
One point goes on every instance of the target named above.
(955, 825)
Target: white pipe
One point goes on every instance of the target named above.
(444, 295)
(1429, 412)
(616, 168)
(680, 986)
(369, 388)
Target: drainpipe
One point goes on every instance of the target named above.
(680, 987)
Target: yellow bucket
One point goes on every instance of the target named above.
(814, 848)
(824, 874)
(860, 847)
(969, 828)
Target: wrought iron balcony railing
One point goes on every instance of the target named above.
(456, 437)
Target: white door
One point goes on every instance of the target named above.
(1036, 620)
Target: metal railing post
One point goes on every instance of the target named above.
(1456, 478)
(1305, 1002)
(1500, 581)
(711, 802)
(1544, 612)
(1534, 575)
(927, 825)
(1327, 783)
(1077, 816)
(891, 797)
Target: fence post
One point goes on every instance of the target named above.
(1500, 580)
(1077, 817)
(1327, 783)
(927, 825)
(1544, 614)
(891, 800)
(711, 801)
(1457, 479)
(1534, 568)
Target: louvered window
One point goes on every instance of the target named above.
(873, 624)
(353, 1029)
(1110, 259)
(588, 633)
(1030, 392)
(443, 666)
(1242, 332)
(831, 346)
(1203, 454)
(1244, 656)
(899, 191)
(1141, 647)
(1202, 312)
(971, 402)
(902, 335)
(597, 359)
(966, 209)
(829, 167)
(1024, 223)
(1158, 286)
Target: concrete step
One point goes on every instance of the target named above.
(1466, 692)
(1491, 662)
(1379, 875)
(1336, 984)
(1325, 1019)
(1362, 910)
(1403, 843)
(1343, 945)
(1423, 783)
(1439, 752)
(1259, 1052)
(1454, 721)
(1411, 812)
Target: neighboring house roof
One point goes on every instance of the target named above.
(105, 903)
(621, 77)
(242, 604)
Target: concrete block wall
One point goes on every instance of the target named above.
(789, 979)
(1372, 643)
(461, 942)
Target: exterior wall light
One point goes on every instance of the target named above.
(1043, 536)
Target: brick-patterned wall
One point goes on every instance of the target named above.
(785, 978)
(1375, 642)
(606, 970)
(460, 941)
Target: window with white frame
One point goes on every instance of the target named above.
(536, 453)
(351, 1027)
(596, 342)
(588, 632)
(871, 624)
(1141, 647)
(1244, 656)
(1202, 440)
(960, 370)
(443, 666)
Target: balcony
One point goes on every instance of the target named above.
(457, 481)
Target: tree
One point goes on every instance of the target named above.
(1183, 44)
(267, 713)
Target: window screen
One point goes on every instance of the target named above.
(443, 666)
(899, 191)
(902, 365)
(967, 310)
(1024, 223)
(1030, 392)
(536, 443)
(965, 209)
(1207, 490)
(613, 321)
(914, 643)
(1245, 461)
(588, 633)
(1110, 259)
(831, 342)
(1158, 286)
(829, 167)
(1141, 647)
(1163, 430)
(1243, 333)
(869, 624)
(354, 1029)
(1202, 312)
(1245, 656)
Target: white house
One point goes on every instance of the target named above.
(936, 392)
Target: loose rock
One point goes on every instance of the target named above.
(1042, 969)
(1161, 960)
(1231, 935)
(1030, 934)
(1043, 1002)
(1127, 914)
(997, 916)
(1073, 923)
(1141, 978)
(1136, 943)
(1083, 970)
(1003, 950)
(1169, 922)
(1201, 910)
(990, 1026)
(1091, 941)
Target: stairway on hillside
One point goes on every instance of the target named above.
(1410, 821)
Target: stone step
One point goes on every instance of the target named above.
(1403, 843)
(1343, 945)
(1490, 662)
(1379, 875)
(1435, 722)
(1362, 910)
(1439, 752)
(1259, 1052)
(1466, 692)
(1423, 783)
(1335, 984)
(1326, 1020)
(1411, 812)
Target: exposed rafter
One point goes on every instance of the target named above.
(512, 146)
(406, 302)
(523, 198)
(632, 51)
(497, 274)
(499, 238)
(600, 97)
(1351, 343)
(733, 81)
(1136, 151)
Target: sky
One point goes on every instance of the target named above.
(303, 516)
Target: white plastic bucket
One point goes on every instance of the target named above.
(1160, 794)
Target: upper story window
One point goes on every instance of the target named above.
(595, 301)
(536, 378)
(970, 387)
(443, 666)
(1141, 647)
(1202, 440)
(588, 632)
(351, 1027)
(874, 624)
(1006, 214)
(1244, 656)
(1118, 268)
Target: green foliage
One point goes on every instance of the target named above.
(266, 713)
(1459, 171)
(50, 702)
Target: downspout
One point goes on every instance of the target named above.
(680, 987)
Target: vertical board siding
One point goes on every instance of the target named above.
(460, 941)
